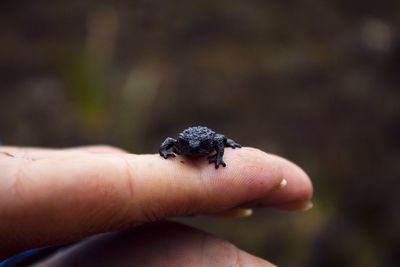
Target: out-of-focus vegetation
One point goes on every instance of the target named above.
(314, 81)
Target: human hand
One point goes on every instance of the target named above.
(51, 197)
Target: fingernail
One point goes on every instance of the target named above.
(306, 205)
(243, 213)
(234, 213)
(302, 205)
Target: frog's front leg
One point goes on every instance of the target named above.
(219, 145)
(167, 144)
(232, 144)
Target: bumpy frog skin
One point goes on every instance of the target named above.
(198, 141)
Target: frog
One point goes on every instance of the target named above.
(198, 141)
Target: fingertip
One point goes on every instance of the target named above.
(259, 178)
(250, 174)
(297, 187)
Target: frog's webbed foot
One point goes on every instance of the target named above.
(232, 144)
(167, 144)
(217, 160)
(167, 154)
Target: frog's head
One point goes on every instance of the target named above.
(194, 146)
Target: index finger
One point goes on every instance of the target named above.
(64, 198)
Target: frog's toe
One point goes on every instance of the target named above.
(232, 144)
(217, 161)
(166, 155)
(220, 163)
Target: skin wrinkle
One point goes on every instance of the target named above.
(187, 203)
(206, 196)
(16, 185)
(21, 196)
(6, 215)
(91, 186)
(100, 186)
(24, 153)
(234, 251)
(129, 175)
(118, 210)
(143, 214)
(204, 188)
(128, 169)
(25, 214)
(7, 154)
(237, 259)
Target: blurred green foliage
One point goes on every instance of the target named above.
(314, 81)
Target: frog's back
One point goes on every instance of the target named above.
(197, 133)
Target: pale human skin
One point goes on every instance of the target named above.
(57, 196)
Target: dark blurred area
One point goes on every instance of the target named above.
(314, 81)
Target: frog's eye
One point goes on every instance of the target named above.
(205, 144)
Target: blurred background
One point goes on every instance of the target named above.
(314, 81)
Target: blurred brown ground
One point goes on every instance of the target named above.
(314, 81)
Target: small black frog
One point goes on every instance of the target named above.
(198, 141)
